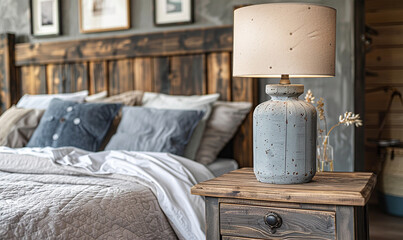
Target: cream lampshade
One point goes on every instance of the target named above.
(274, 39)
(284, 40)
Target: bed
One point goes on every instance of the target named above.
(71, 193)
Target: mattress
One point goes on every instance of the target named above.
(222, 166)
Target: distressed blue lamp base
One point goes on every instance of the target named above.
(284, 137)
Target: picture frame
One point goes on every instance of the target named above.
(173, 12)
(103, 15)
(45, 18)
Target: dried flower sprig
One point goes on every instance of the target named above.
(350, 118)
(320, 106)
(347, 119)
(309, 97)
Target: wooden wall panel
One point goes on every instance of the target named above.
(33, 79)
(120, 76)
(55, 78)
(245, 89)
(188, 75)
(98, 77)
(386, 17)
(76, 76)
(378, 102)
(384, 62)
(189, 41)
(143, 74)
(384, 77)
(161, 74)
(8, 84)
(388, 35)
(385, 58)
(376, 5)
(219, 74)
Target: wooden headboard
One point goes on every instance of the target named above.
(177, 62)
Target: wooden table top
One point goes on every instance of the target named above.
(338, 188)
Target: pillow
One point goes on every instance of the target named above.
(96, 96)
(42, 101)
(82, 125)
(130, 98)
(221, 127)
(18, 125)
(203, 103)
(154, 130)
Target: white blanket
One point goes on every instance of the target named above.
(170, 177)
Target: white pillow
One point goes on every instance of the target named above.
(96, 97)
(42, 101)
(195, 102)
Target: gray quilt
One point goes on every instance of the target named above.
(39, 200)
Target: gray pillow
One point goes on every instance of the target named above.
(154, 130)
(82, 125)
(221, 127)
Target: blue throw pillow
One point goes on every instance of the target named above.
(154, 130)
(82, 125)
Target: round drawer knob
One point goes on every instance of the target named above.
(273, 220)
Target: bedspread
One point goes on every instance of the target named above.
(52, 194)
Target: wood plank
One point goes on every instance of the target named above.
(8, 83)
(378, 101)
(189, 41)
(33, 79)
(245, 89)
(393, 119)
(395, 133)
(161, 74)
(219, 74)
(345, 223)
(212, 218)
(98, 76)
(384, 17)
(120, 76)
(76, 76)
(143, 74)
(351, 189)
(248, 221)
(390, 35)
(264, 203)
(385, 57)
(187, 75)
(385, 77)
(55, 78)
(376, 5)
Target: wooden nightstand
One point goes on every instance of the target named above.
(332, 206)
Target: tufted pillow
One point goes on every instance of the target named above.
(155, 130)
(82, 125)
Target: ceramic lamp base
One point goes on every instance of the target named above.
(284, 137)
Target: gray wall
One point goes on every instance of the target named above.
(338, 92)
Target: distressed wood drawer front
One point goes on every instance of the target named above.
(248, 221)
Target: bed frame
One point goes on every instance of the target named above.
(187, 62)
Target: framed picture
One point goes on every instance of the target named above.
(104, 15)
(45, 17)
(171, 12)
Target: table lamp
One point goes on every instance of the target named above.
(284, 40)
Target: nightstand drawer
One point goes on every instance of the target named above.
(253, 222)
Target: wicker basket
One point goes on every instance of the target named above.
(391, 182)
